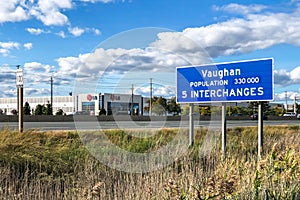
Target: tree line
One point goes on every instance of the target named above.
(39, 110)
(162, 106)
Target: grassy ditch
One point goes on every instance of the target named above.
(56, 165)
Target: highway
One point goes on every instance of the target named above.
(90, 125)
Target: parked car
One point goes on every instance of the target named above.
(289, 114)
(81, 113)
(237, 115)
(298, 116)
(255, 116)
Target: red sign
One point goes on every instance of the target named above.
(89, 97)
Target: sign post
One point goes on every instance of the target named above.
(224, 129)
(19, 83)
(191, 124)
(241, 81)
(260, 131)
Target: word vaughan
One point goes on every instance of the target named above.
(220, 73)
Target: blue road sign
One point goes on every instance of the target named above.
(226, 82)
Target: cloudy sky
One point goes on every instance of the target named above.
(120, 45)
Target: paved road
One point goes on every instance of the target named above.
(137, 124)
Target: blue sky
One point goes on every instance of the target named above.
(112, 45)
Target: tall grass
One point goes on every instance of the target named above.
(55, 165)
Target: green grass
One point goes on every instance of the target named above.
(56, 165)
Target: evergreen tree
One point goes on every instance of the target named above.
(48, 109)
(159, 105)
(174, 107)
(14, 112)
(59, 112)
(253, 107)
(26, 109)
(39, 109)
(102, 111)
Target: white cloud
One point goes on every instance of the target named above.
(284, 78)
(8, 81)
(35, 67)
(35, 31)
(295, 74)
(94, 30)
(37, 78)
(46, 5)
(30, 91)
(53, 18)
(9, 45)
(28, 46)
(76, 31)
(5, 47)
(69, 66)
(288, 95)
(240, 9)
(191, 46)
(61, 34)
(11, 11)
(158, 90)
(194, 46)
(50, 12)
(94, 1)
(236, 36)
(4, 52)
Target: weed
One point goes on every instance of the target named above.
(56, 165)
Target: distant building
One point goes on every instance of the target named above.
(59, 102)
(119, 104)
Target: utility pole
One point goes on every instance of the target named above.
(150, 103)
(295, 104)
(286, 101)
(51, 98)
(131, 113)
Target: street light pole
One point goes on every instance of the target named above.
(150, 102)
(20, 92)
(19, 83)
(51, 99)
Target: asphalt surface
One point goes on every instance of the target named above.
(95, 125)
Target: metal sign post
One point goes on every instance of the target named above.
(224, 129)
(19, 83)
(191, 124)
(260, 131)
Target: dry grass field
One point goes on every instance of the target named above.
(56, 165)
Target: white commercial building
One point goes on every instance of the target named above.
(83, 103)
